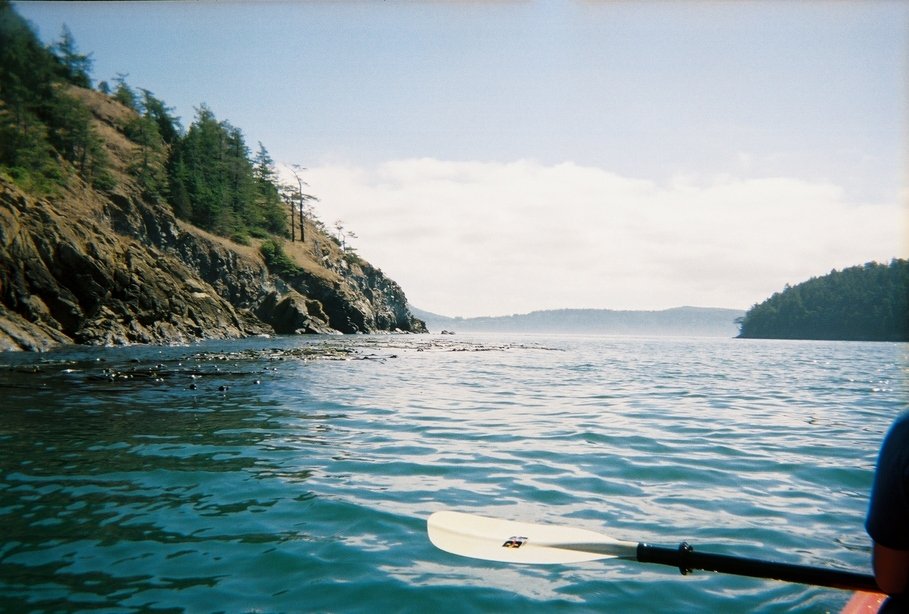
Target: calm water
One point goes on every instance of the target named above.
(296, 474)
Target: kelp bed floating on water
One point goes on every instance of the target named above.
(191, 369)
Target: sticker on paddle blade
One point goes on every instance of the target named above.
(514, 542)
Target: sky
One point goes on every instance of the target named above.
(500, 157)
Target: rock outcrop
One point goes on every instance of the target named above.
(111, 268)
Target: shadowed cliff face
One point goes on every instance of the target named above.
(111, 269)
(68, 277)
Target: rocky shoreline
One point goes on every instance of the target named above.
(85, 267)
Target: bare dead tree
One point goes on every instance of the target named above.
(302, 199)
(344, 235)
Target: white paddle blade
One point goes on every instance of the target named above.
(494, 539)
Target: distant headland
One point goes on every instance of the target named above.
(869, 302)
(680, 321)
(860, 303)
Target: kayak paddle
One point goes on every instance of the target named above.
(494, 539)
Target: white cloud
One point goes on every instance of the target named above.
(489, 238)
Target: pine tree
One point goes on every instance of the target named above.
(272, 214)
(124, 94)
(168, 126)
(75, 67)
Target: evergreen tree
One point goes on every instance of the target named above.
(168, 125)
(75, 67)
(149, 165)
(124, 94)
(200, 155)
(178, 179)
(272, 214)
(241, 184)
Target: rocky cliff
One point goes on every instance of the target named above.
(111, 268)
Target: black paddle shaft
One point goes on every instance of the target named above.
(687, 559)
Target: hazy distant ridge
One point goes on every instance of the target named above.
(679, 321)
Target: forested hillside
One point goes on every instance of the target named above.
(861, 303)
(41, 124)
(119, 226)
(205, 173)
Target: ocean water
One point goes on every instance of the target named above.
(296, 474)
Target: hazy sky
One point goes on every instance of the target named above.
(503, 156)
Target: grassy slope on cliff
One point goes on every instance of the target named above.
(58, 134)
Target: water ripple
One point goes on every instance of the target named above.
(296, 474)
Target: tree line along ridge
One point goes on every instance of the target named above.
(861, 303)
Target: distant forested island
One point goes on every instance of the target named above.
(679, 321)
(861, 303)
